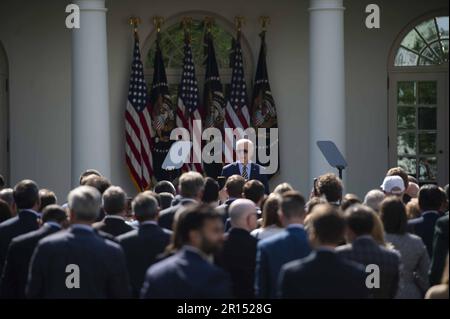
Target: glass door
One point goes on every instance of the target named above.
(418, 134)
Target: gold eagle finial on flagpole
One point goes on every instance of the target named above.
(264, 21)
(209, 21)
(158, 22)
(239, 21)
(134, 21)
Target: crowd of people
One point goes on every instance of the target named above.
(198, 240)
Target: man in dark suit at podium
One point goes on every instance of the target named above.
(244, 166)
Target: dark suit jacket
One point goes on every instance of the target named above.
(141, 247)
(366, 251)
(273, 253)
(101, 263)
(323, 275)
(113, 226)
(15, 272)
(222, 209)
(238, 258)
(186, 275)
(440, 250)
(167, 215)
(424, 228)
(24, 222)
(255, 173)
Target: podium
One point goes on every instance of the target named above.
(333, 156)
(178, 155)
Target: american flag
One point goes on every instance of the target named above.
(236, 113)
(188, 108)
(213, 101)
(263, 110)
(138, 127)
(162, 114)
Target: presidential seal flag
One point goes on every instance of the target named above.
(188, 108)
(263, 111)
(162, 114)
(236, 113)
(138, 126)
(213, 99)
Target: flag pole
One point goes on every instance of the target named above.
(186, 23)
(208, 23)
(157, 23)
(239, 22)
(135, 21)
(264, 21)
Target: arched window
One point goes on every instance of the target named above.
(418, 100)
(172, 42)
(425, 44)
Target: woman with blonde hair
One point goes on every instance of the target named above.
(283, 188)
(378, 231)
(413, 209)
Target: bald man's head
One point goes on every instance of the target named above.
(243, 214)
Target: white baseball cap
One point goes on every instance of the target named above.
(393, 185)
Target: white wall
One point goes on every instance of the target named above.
(38, 48)
(367, 53)
(4, 155)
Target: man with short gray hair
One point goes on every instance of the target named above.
(143, 245)
(191, 185)
(115, 207)
(373, 199)
(244, 165)
(87, 266)
(239, 250)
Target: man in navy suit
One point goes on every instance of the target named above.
(440, 250)
(26, 197)
(363, 249)
(15, 274)
(115, 207)
(239, 250)
(78, 263)
(143, 245)
(233, 187)
(430, 201)
(191, 186)
(323, 274)
(277, 250)
(244, 166)
(190, 272)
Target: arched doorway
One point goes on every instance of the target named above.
(172, 46)
(4, 116)
(418, 99)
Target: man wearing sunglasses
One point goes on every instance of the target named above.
(244, 165)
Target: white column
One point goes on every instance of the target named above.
(90, 92)
(327, 80)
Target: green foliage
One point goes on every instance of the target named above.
(172, 43)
